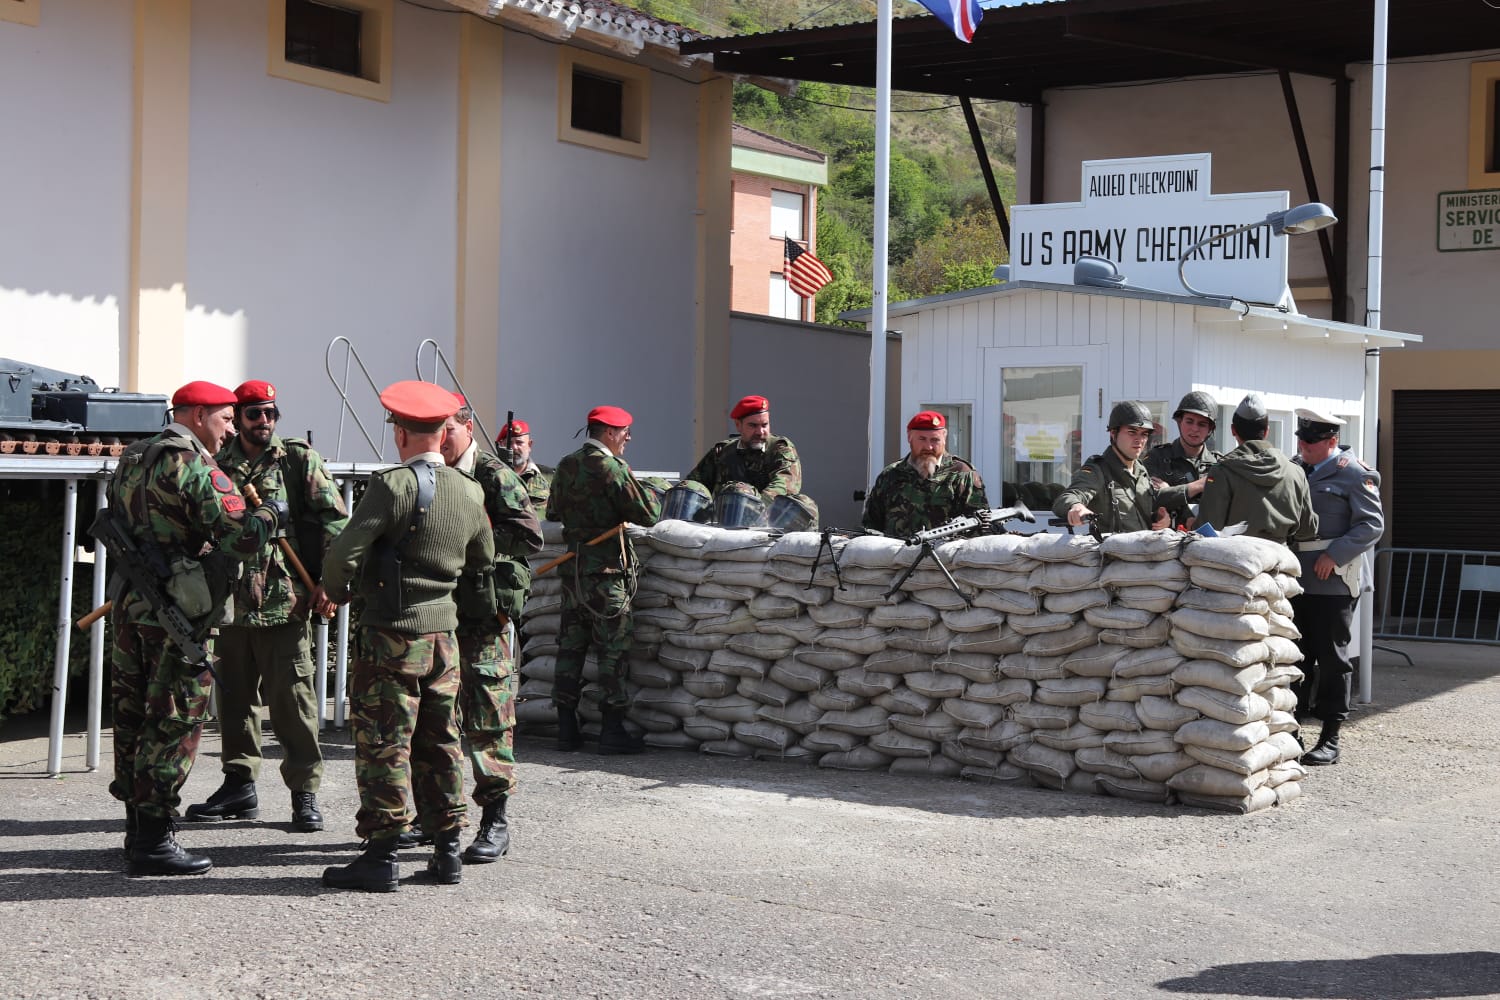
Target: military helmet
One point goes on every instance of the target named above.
(687, 501)
(1197, 402)
(1130, 414)
(739, 505)
(792, 513)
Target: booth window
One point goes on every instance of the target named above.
(1041, 441)
(960, 417)
(343, 46)
(1484, 125)
(603, 102)
(28, 12)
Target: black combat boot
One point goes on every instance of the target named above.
(493, 839)
(415, 836)
(305, 815)
(235, 799)
(156, 852)
(614, 738)
(132, 825)
(445, 867)
(376, 870)
(1327, 750)
(569, 733)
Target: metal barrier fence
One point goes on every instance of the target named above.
(1439, 595)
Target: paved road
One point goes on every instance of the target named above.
(675, 875)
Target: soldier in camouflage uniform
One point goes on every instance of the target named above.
(486, 647)
(1115, 486)
(419, 527)
(753, 455)
(1185, 462)
(928, 487)
(266, 652)
(514, 447)
(593, 492)
(178, 504)
(1257, 484)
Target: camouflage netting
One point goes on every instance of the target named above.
(1154, 666)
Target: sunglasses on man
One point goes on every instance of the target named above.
(255, 414)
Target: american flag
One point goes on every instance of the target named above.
(804, 272)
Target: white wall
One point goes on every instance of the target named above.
(315, 214)
(1243, 122)
(612, 237)
(65, 187)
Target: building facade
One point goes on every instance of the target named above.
(775, 197)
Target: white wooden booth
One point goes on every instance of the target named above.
(1027, 371)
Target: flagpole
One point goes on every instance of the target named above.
(878, 304)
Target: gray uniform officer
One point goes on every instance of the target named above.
(1346, 497)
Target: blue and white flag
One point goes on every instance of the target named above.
(962, 16)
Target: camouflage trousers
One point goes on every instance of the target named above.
(269, 670)
(487, 703)
(601, 622)
(160, 702)
(403, 710)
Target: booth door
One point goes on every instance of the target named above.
(1039, 407)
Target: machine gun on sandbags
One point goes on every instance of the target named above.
(984, 523)
(826, 542)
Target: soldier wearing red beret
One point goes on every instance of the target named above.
(927, 487)
(266, 651)
(768, 464)
(419, 528)
(594, 491)
(186, 515)
(514, 446)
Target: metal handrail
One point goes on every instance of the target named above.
(437, 355)
(348, 407)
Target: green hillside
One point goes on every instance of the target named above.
(943, 232)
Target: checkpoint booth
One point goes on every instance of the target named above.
(1095, 312)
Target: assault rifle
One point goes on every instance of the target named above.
(145, 569)
(985, 523)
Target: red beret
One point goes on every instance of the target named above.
(610, 416)
(419, 402)
(202, 394)
(748, 406)
(255, 391)
(927, 420)
(517, 428)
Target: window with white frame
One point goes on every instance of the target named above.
(1041, 414)
(960, 418)
(783, 303)
(786, 214)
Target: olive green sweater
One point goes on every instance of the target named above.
(454, 536)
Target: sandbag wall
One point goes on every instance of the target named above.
(1154, 665)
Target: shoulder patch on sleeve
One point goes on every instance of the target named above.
(221, 481)
(1370, 485)
(1343, 462)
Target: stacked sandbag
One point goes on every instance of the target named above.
(1152, 665)
(1234, 629)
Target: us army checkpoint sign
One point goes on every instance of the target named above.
(1144, 214)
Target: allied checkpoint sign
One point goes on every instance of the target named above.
(1144, 214)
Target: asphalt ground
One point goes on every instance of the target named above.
(679, 875)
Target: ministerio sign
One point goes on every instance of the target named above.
(1468, 220)
(1144, 214)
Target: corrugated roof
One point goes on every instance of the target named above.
(748, 138)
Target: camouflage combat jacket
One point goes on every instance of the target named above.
(592, 491)
(513, 519)
(538, 482)
(175, 498)
(775, 471)
(288, 469)
(902, 503)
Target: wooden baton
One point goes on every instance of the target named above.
(612, 532)
(286, 547)
(95, 615)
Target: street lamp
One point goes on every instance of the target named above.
(1307, 218)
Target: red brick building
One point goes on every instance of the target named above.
(775, 195)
